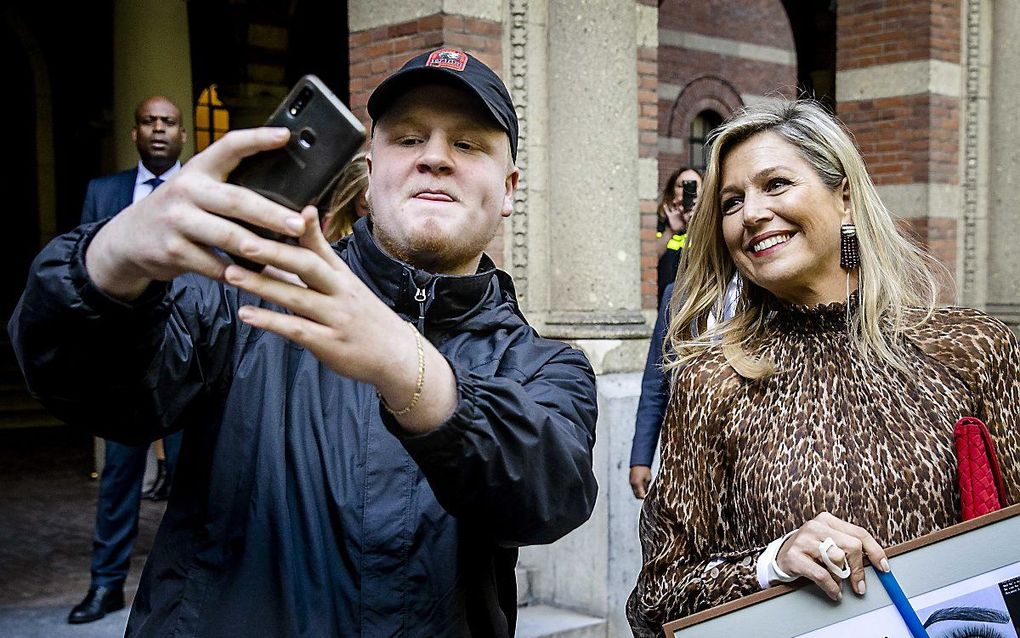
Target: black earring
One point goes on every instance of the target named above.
(849, 251)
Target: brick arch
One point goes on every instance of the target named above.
(706, 92)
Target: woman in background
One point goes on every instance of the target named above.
(671, 226)
(348, 202)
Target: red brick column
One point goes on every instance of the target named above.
(378, 52)
(648, 147)
(909, 139)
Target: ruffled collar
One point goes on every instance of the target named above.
(829, 317)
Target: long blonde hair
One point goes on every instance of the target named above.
(343, 205)
(896, 278)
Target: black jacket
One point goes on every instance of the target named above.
(300, 508)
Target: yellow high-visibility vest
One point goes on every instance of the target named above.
(676, 242)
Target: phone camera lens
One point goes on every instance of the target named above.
(306, 138)
(300, 101)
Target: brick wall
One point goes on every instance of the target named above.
(708, 80)
(648, 147)
(376, 53)
(938, 237)
(752, 21)
(883, 32)
(907, 139)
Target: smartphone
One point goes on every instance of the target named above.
(690, 191)
(324, 136)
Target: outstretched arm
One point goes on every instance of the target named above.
(98, 324)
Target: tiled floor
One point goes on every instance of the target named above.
(47, 508)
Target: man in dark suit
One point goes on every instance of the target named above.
(159, 136)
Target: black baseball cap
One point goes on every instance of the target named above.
(450, 66)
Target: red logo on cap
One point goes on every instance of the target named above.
(448, 59)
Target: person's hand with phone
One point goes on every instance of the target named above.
(175, 229)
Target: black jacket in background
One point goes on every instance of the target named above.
(299, 508)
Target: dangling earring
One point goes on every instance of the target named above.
(849, 258)
(849, 250)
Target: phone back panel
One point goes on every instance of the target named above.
(324, 136)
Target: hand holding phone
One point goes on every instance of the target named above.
(324, 136)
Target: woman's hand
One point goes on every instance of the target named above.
(640, 479)
(674, 217)
(801, 554)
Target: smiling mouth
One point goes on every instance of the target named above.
(770, 242)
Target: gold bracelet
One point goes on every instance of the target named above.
(418, 385)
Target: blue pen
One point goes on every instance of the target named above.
(902, 604)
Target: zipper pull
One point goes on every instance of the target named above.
(419, 296)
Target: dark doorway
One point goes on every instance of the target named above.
(814, 34)
(21, 223)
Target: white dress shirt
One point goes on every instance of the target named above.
(141, 188)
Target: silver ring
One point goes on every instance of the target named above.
(823, 548)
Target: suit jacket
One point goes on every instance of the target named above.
(654, 392)
(107, 196)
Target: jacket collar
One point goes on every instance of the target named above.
(450, 300)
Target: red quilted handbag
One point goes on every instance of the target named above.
(981, 487)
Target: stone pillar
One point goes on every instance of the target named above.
(1004, 165)
(151, 56)
(588, 162)
(972, 279)
(594, 568)
(594, 205)
(898, 88)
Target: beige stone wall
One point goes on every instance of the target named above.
(152, 56)
(1004, 165)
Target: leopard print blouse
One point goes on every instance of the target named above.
(745, 461)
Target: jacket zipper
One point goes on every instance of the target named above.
(420, 297)
(423, 294)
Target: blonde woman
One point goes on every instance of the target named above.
(348, 202)
(815, 426)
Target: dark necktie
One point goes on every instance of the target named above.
(154, 182)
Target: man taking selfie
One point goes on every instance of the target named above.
(368, 439)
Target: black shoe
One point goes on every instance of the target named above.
(160, 486)
(98, 602)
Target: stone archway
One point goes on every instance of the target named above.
(703, 93)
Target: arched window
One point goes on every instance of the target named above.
(212, 119)
(700, 128)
